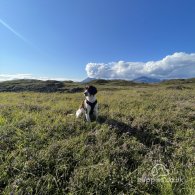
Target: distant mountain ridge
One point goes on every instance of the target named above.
(142, 79)
(145, 79)
(87, 80)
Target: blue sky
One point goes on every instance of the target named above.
(73, 39)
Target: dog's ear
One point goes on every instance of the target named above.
(87, 87)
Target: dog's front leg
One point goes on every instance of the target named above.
(87, 117)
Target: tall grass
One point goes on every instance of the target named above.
(45, 150)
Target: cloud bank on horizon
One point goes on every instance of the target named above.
(9, 77)
(177, 65)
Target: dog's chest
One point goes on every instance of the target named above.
(90, 106)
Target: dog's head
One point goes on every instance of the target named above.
(90, 90)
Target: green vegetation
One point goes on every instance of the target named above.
(45, 150)
(37, 86)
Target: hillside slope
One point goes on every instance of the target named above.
(70, 86)
(39, 86)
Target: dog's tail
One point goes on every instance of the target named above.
(79, 112)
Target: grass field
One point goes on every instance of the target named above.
(142, 143)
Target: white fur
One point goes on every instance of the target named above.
(79, 112)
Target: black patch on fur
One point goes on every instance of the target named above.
(91, 89)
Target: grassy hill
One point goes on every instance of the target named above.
(59, 86)
(38, 86)
(179, 81)
(31, 85)
(70, 86)
(45, 150)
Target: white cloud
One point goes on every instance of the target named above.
(178, 65)
(9, 77)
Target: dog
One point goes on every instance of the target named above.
(89, 107)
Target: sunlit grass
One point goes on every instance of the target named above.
(45, 150)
